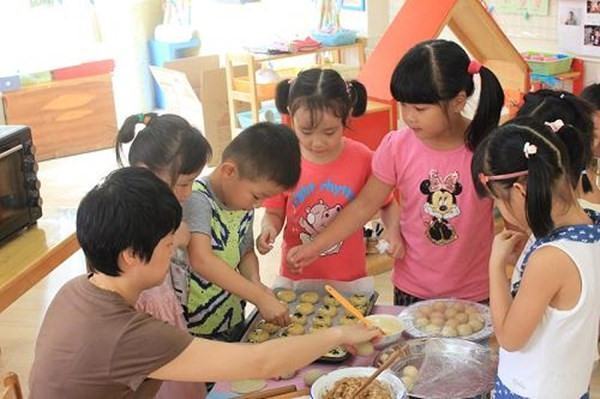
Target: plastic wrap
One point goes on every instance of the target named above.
(447, 368)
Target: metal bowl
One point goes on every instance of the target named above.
(326, 382)
(448, 367)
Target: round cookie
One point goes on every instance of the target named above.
(268, 327)
(321, 320)
(305, 308)
(349, 319)
(312, 375)
(286, 296)
(298, 318)
(329, 300)
(293, 329)
(257, 336)
(316, 327)
(327, 310)
(309, 297)
(359, 300)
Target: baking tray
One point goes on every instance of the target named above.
(448, 367)
(410, 314)
(337, 355)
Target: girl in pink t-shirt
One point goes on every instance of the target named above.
(334, 170)
(446, 230)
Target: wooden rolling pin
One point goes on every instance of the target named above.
(270, 393)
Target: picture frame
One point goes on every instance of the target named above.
(357, 5)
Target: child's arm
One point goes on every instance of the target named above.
(204, 262)
(390, 215)
(271, 226)
(349, 220)
(547, 272)
(266, 360)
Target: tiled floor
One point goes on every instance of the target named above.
(65, 181)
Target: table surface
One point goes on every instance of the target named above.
(222, 390)
(28, 257)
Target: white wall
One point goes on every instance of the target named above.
(535, 33)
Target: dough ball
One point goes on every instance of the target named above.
(298, 318)
(320, 320)
(348, 320)
(450, 313)
(294, 329)
(417, 314)
(471, 309)
(411, 371)
(312, 375)
(309, 297)
(437, 315)
(287, 376)
(461, 318)
(408, 381)
(476, 325)
(331, 301)
(448, 331)
(257, 336)
(365, 349)
(247, 386)
(327, 310)
(452, 323)
(425, 309)
(422, 322)
(464, 330)
(268, 327)
(438, 321)
(439, 306)
(459, 307)
(476, 316)
(432, 329)
(286, 296)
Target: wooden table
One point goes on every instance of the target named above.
(30, 256)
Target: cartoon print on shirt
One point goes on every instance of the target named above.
(317, 218)
(441, 205)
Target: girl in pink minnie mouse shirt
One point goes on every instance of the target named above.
(446, 230)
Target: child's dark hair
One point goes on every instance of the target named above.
(167, 143)
(436, 71)
(591, 94)
(503, 152)
(321, 89)
(132, 208)
(266, 151)
(549, 105)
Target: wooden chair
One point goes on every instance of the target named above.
(11, 389)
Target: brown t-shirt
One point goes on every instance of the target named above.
(93, 344)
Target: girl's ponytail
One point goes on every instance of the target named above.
(576, 149)
(487, 115)
(358, 96)
(282, 96)
(540, 181)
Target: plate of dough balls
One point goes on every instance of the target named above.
(449, 318)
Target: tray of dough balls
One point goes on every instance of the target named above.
(447, 318)
(310, 310)
(441, 368)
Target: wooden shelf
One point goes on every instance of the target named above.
(241, 72)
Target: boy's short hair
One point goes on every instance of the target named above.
(266, 151)
(131, 208)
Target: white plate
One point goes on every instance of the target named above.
(326, 382)
(407, 317)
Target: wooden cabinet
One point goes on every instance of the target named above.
(66, 117)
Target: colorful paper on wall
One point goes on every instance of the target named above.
(531, 7)
(579, 27)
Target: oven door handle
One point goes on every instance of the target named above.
(11, 151)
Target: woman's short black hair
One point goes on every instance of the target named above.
(132, 208)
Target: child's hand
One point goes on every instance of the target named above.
(264, 242)
(504, 246)
(273, 311)
(301, 256)
(396, 248)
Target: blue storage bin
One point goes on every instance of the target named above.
(340, 38)
(10, 83)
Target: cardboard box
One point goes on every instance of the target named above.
(207, 80)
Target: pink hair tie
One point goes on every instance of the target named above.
(474, 67)
(556, 125)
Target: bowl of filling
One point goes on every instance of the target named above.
(391, 326)
(343, 383)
